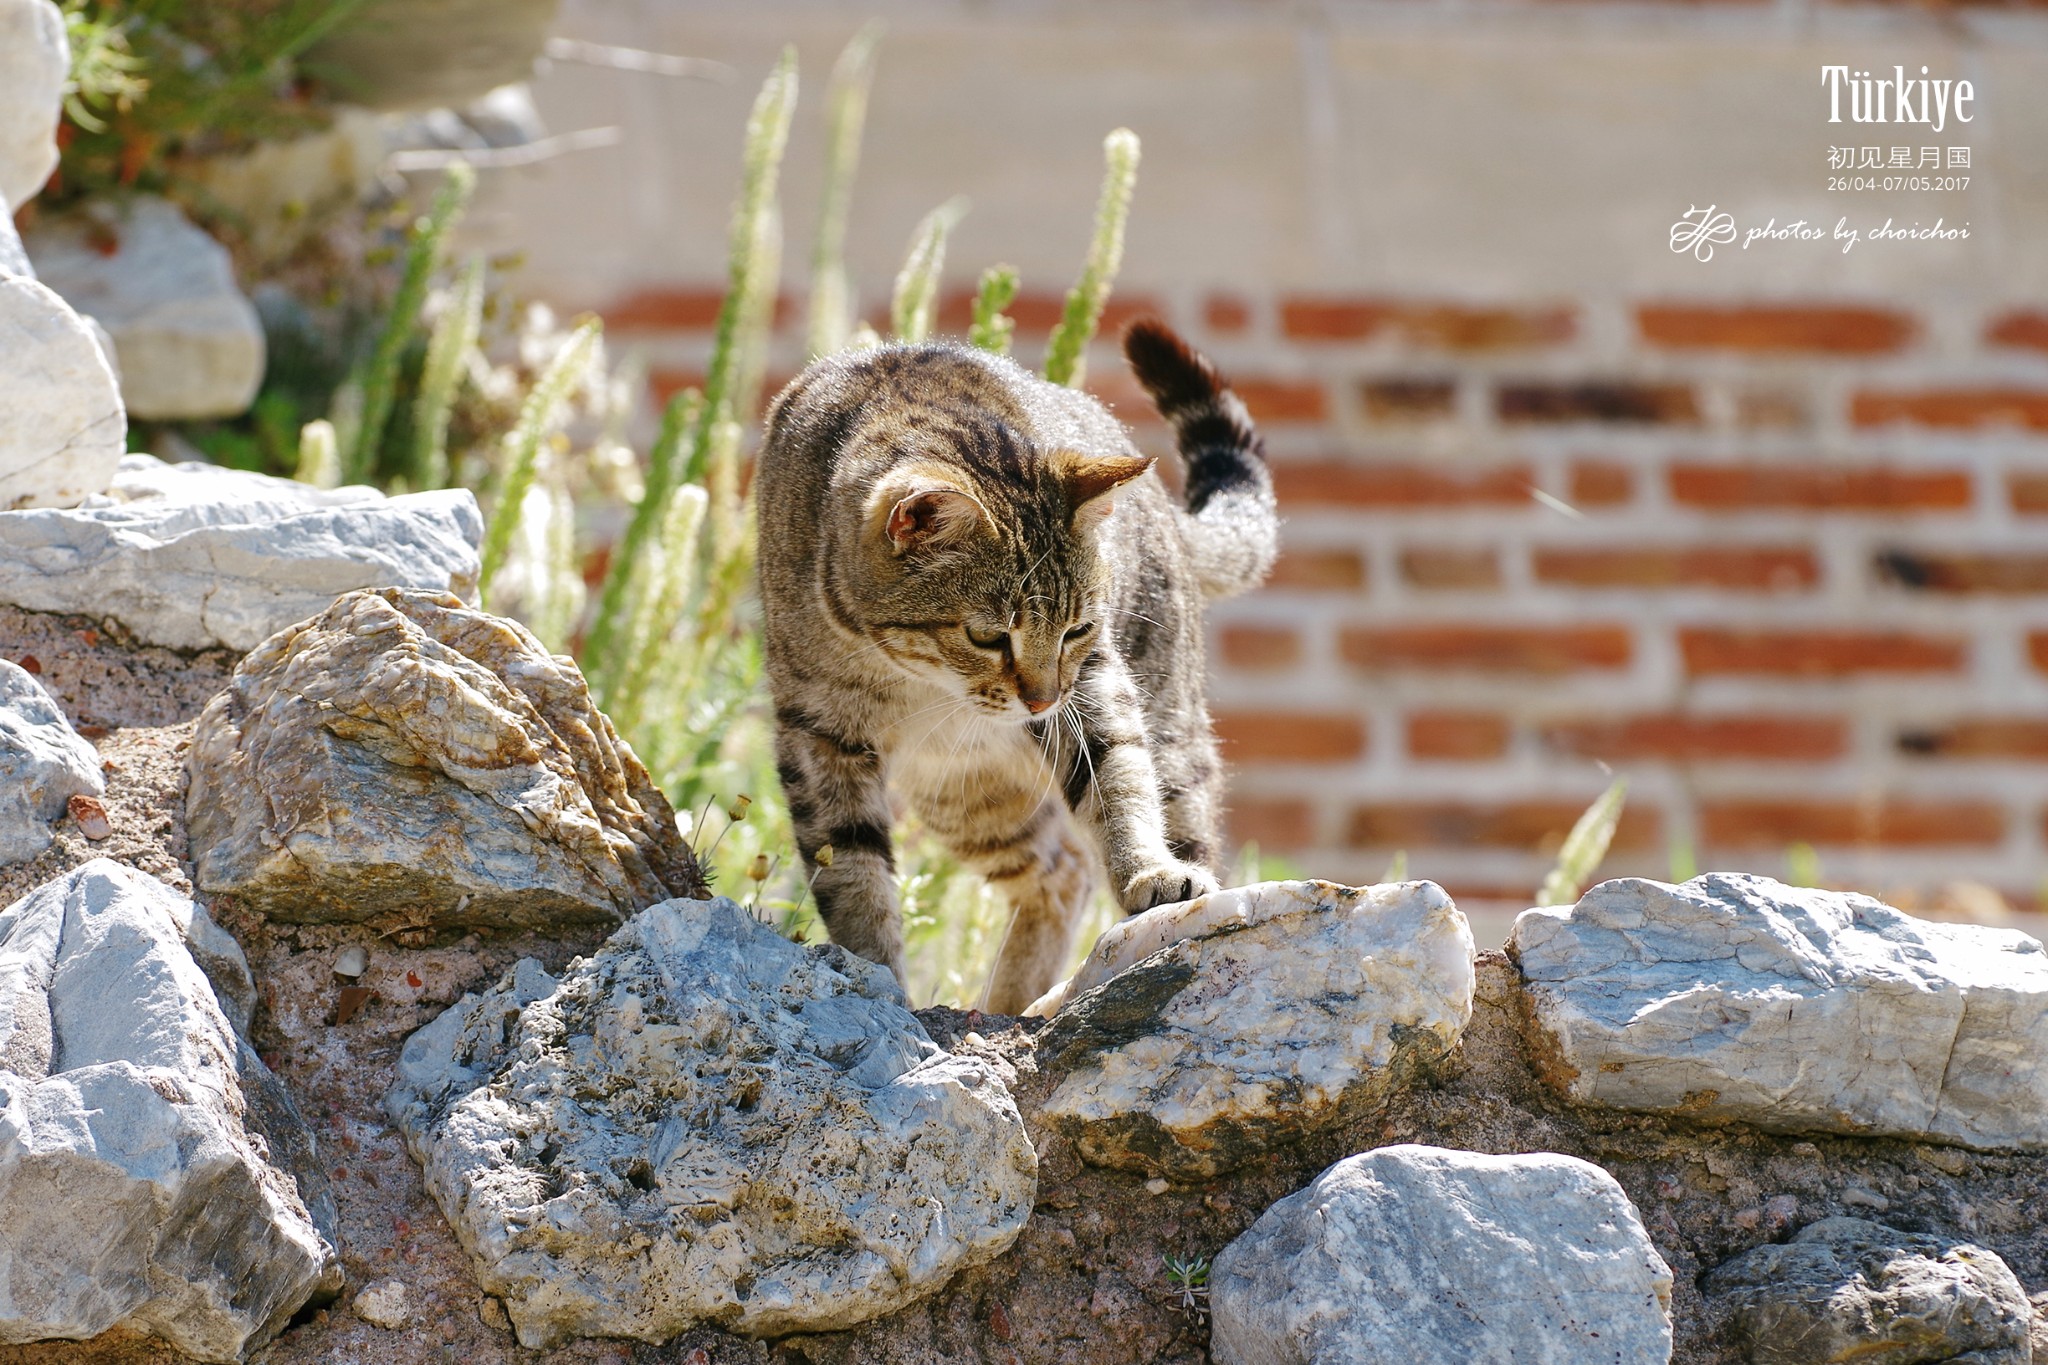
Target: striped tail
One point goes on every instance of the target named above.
(1229, 490)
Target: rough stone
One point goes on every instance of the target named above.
(35, 60)
(706, 1122)
(43, 764)
(1415, 1253)
(1197, 1036)
(384, 1303)
(64, 429)
(417, 54)
(404, 760)
(1849, 1290)
(194, 556)
(153, 1173)
(188, 342)
(1738, 997)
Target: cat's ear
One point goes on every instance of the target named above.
(931, 516)
(1090, 480)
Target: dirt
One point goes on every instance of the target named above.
(1085, 1284)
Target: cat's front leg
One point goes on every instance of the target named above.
(838, 798)
(1114, 788)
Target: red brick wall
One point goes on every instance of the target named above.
(1783, 567)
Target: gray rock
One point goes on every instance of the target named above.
(64, 427)
(404, 760)
(43, 764)
(706, 1122)
(418, 54)
(188, 342)
(1411, 1253)
(194, 556)
(1737, 997)
(1198, 1036)
(35, 59)
(153, 1173)
(1849, 1290)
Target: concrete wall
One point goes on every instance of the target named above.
(1766, 534)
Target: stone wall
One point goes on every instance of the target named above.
(1762, 534)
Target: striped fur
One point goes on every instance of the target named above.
(981, 601)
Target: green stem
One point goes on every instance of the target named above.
(917, 284)
(991, 330)
(455, 332)
(846, 103)
(522, 456)
(1064, 361)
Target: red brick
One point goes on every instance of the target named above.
(1992, 737)
(1036, 312)
(1282, 400)
(1488, 649)
(664, 384)
(1953, 409)
(1440, 326)
(1820, 488)
(1289, 737)
(1990, 572)
(1839, 330)
(1409, 400)
(1701, 739)
(1342, 483)
(1458, 736)
(1277, 825)
(1817, 653)
(1778, 823)
(664, 310)
(1450, 568)
(1761, 568)
(1123, 395)
(2029, 492)
(1601, 483)
(2025, 329)
(1226, 314)
(1605, 401)
(1319, 571)
(1534, 825)
(1264, 648)
(2037, 649)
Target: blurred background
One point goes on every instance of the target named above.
(1764, 536)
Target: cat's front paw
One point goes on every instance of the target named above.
(1164, 885)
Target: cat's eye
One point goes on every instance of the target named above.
(1080, 632)
(993, 639)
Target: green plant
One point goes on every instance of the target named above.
(991, 330)
(846, 106)
(522, 448)
(156, 81)
(1065, 362)
(105, 72)
(448, 345)
(1584, 847)
(379, 380)
(916, 296)
(1188, 1279)
(1802, 866)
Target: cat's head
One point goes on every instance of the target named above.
(991, 583)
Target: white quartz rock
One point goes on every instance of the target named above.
(62, 427)
(194, 556)
(1198, 1036)
(43, 764)
(1797, 1010)
(1408, 1254)
(35, 59)
(188, 341)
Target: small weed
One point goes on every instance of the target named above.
(1187, 1279)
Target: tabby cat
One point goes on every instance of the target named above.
(981, 597)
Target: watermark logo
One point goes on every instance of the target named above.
(1701, 230)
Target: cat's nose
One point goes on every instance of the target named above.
(1037, 706)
